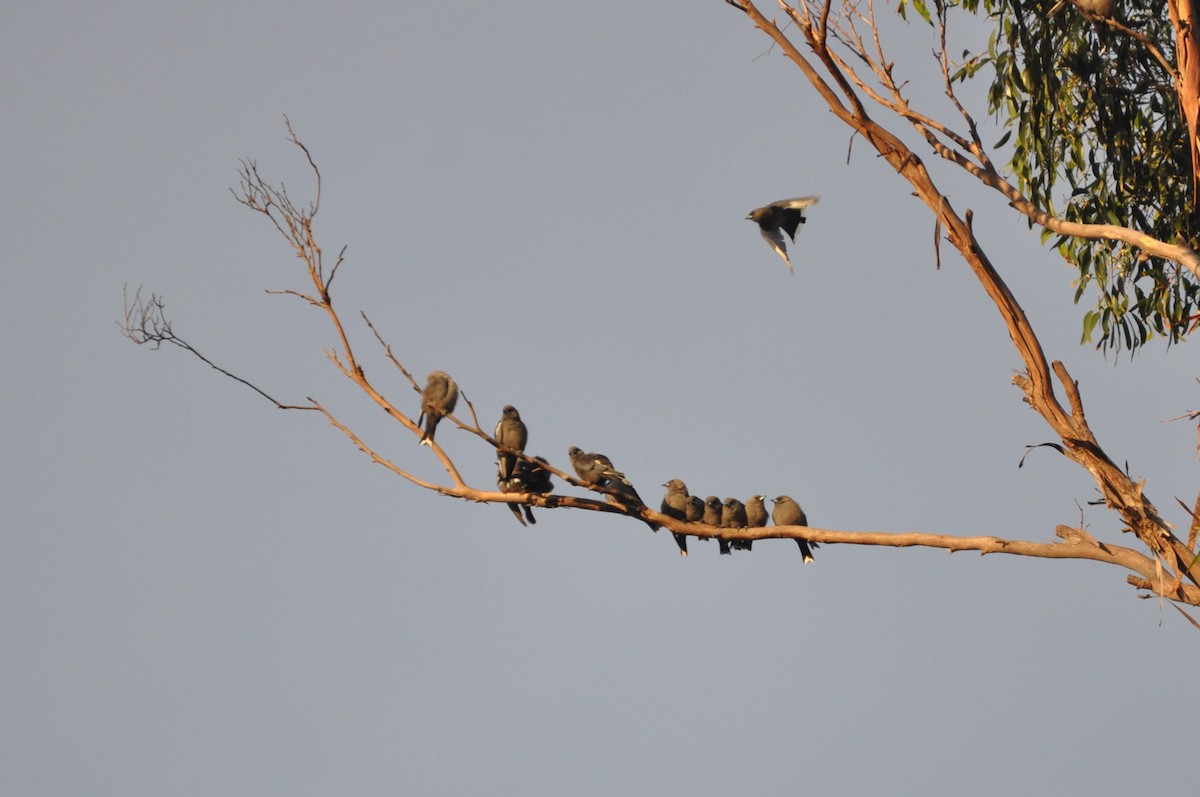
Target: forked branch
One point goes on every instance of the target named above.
(146, 322)
(1119, 491)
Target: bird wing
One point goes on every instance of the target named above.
(775, 238)
(792, 219)
(603, 466)
(797, 203)
(793, 212)
(435, 395)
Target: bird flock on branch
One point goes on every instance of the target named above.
(516, 473)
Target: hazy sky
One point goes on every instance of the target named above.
(200, 594)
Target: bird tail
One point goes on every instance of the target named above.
(805, 551)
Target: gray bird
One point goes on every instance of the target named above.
(510, 434)
(733, 516)
(694, 513)
(785, 215)
(756, 515)
(527, 477)
(675, 505)
(712, 517)
(1102, 8)
(788, 513)
(598, 470)
(437, 400)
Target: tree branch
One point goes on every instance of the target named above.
(1119, 491)
(145, 322)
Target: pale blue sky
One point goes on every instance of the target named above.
(202, 595)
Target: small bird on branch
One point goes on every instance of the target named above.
(788, 513)
(437, 400)
(598, 470)
(675, 505)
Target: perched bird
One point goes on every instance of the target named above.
(712, 517)
(756, 515)
(511, 434)
(592, 468)
(1101, 8)
(733, 516)
(674, 505)
(437, 400)
(507, 486)
(527, 477)
(712, 511)
(694, 512)
(533, 477)
(598, 470)
(774, 219)
(788, 513)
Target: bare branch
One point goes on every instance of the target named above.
(387, 348)
(146, 323)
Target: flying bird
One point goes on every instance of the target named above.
(788, 513)
(437, 400)
(675, 505)
(774, 219)
(510, 434)
(598, 470)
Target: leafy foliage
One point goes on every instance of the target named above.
(1097, 137)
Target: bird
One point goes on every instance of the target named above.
(1101, 8)
(788, 513)
(674, 505)
(437, 400)
(694, 512)
(527, 477)
(733, 516)
(534, 476)
(597, 470)
(784, 215)
(712, 517)
(756, 515)
(508, 486)
(510, 434)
